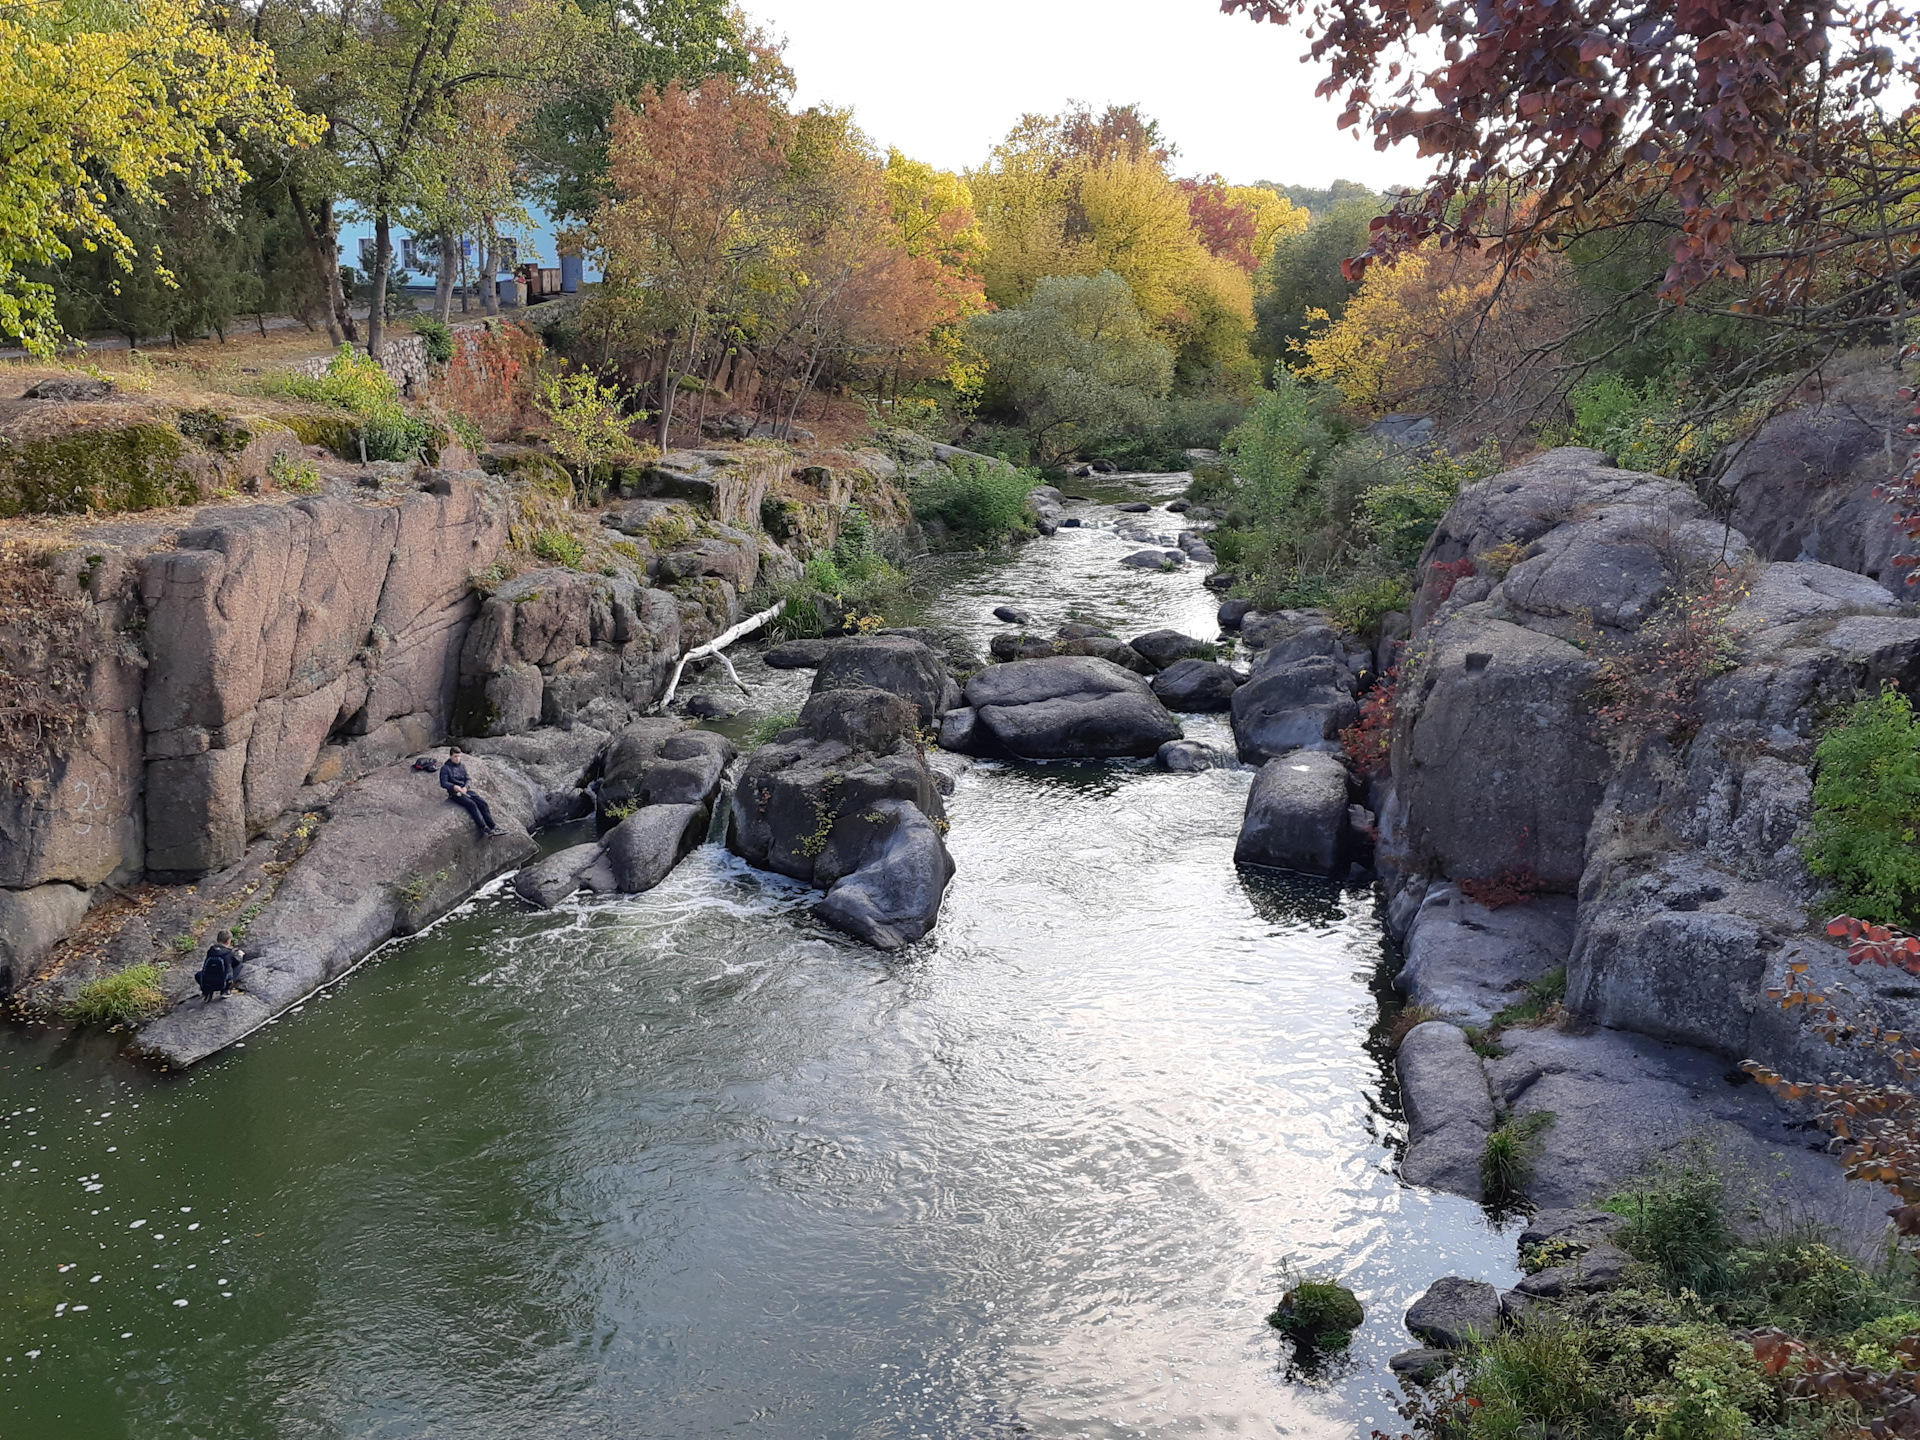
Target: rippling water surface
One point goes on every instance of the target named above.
(691, 1164)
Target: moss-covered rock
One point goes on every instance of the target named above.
(98, 468)
(337, 431)
(1320, 1313)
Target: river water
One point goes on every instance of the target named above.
(691, 1164)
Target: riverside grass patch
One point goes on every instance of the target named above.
(1670, 1355)
(133, 994)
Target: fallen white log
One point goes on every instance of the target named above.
(713, 647)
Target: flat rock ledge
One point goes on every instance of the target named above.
(395, 856)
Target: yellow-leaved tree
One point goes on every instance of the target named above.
(1444, 332)
(129, 94)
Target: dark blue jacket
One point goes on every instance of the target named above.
(452, 775)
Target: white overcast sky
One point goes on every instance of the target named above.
(944, 80)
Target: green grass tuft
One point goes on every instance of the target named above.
(133, 994)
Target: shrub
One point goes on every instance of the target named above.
(1211, 485)
(1676, 1220)
(588, 426)
(560, 546)
(980, 504)
(466, 432)
(1369, 742)
(1866, 811)
(133, 994)
(437, 337)
(1651, 683)
(1401, 512)
(294, 473)
(1319, 1313)
(1359, 605)
(360, 385)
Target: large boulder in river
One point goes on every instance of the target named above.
(1162, 647)
(830, 803)
(892, 895)
(660, 761)
(1296, 817)
(1304, 704)
(548, 881)
(799, 804)
(1069, 707)
(893, 663)
(1195, 685)
(642, 850)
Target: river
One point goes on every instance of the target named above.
(691, 1164)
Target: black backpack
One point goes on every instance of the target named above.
(427, 764)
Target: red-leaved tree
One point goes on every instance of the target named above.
(1768, 145)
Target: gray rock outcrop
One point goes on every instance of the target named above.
(1466, 962)
(395, 856)
(1449, 1108)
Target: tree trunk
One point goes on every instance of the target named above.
(466, 286)
(326, 263)
(669, 391)
(382, 263)
(336, 290)
(489, 278)
(443, 280)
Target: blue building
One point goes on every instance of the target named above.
(535, 244)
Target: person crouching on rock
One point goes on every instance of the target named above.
(222, 968)
(453, 780)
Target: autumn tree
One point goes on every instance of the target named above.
(1080, 194)
(1445, 333)
(133, 100)
(696, 175)
(1769, 142)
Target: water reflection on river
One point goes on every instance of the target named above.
(692, 1164)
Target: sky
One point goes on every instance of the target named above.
(944, 81)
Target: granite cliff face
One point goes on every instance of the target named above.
(1662, 872)
(202, 691)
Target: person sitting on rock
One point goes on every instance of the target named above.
(454, 780)
(221, 971)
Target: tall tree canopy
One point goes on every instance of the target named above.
(99, 101)
(1741, 116)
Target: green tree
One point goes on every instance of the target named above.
(101, 101)
(1076, 362)
(626, 49)
(1304, 275)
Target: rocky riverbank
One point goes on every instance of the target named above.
(228, 700)
(1650, 891)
